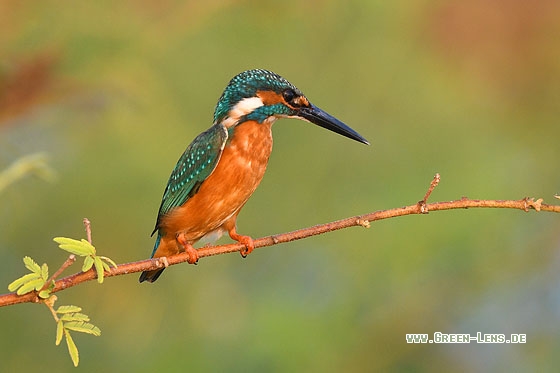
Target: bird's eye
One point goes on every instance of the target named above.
(289, 95)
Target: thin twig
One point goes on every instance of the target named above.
(87, 225)
(524, 204)
(67, 263)
(422, 204)
(433, 184)
(49, 302)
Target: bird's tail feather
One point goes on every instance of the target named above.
(152, 276)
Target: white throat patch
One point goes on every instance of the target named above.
(242, 108)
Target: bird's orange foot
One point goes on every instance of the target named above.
(191, 251)
(245, 240)
(248, 242)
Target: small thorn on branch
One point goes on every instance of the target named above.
(363, 222)
(530, 202)
(162, 260)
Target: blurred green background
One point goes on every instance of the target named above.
(113, 92)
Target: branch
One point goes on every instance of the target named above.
(422, 207)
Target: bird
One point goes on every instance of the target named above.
(222, 167)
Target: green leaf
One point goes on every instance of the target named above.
(74, 317)
(45, 271)
(99, 269)
(80, 248)
(83, 327)
(22, 280)
(106, 266)
(59, 332)
(72, 349)
(45, 293)
(88, 263)
(109, 261)
(68, 309)
(80, 317)
(30, 286)
(31, 265)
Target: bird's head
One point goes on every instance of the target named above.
(264, 96)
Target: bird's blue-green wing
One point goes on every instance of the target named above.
(195, 165)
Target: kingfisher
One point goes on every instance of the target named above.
(223, 166)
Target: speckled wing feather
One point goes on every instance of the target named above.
(195, 165)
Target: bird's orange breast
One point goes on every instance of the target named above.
(220, 197)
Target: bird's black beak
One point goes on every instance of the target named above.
(323, 119)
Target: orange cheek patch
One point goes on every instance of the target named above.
(270, 97)
(301, 101)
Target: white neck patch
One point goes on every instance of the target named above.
(242, 108)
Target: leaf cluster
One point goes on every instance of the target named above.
(85, 249)
(35, 280)
(70, 318)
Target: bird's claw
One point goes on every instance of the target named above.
(249, 246)
(192, 255)
(189, 250)
(245, 240)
